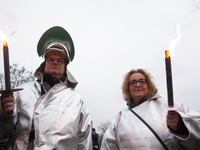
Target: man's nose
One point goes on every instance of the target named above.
(55, 61)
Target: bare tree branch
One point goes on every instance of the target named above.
(18, 76)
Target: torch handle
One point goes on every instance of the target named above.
(6, 66)
(169, 80)
(7, 70)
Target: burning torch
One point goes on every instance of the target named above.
(168, 54)
(7, 69)
(169, 79)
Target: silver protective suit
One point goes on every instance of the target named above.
(60, 118)
(127, 132)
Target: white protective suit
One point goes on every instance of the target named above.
(127, 132)
(61, 119)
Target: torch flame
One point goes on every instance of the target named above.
(5, 43)
(3, 38)
(167, 53)
(173, 43)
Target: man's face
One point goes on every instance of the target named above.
(93, 131)
(54, 65)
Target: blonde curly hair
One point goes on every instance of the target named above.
(149, 78)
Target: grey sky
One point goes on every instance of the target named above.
(111, 37)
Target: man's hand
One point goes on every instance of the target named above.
(175, 122)
(7, 101)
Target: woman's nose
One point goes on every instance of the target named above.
(137, 84)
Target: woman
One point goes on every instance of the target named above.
(144, 124)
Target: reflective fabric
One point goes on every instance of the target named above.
(127, 132)
(61, 119)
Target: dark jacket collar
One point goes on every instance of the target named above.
(48, 83)
(48, 79)
(132, 104)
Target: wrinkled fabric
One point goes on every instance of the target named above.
(61, 119)
(127, 132)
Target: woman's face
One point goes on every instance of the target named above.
(138, 91)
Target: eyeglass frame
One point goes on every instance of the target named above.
(137, 82)
(59, 63)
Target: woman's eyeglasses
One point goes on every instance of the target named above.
(133, 83)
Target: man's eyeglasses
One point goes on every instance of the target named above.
(51, 60)
(133, 83)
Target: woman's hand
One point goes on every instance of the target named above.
(8, 103)
(175, 122)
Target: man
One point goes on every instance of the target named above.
(47, 113)
(95, 138)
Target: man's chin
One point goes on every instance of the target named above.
(55, 75)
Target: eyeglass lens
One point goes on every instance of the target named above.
(51, 60)
(134, 82)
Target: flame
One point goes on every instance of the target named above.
(3, 37)
(173, 43)
(167, 53)
(5, 43)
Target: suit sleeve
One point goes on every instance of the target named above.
(111, 140)
(191, 120)
(84, 139)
